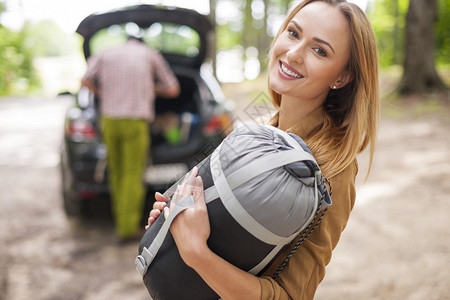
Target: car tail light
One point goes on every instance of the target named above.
(88, 194)
(80, 130)
(219, 124)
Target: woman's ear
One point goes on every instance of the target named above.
(346, 77)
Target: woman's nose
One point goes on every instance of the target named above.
(296, 53)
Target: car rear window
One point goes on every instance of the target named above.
(166, 37)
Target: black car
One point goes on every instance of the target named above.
(186, 129)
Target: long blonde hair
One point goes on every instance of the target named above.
(352, 112)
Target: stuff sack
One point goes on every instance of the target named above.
(262, 188)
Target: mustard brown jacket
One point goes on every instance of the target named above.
(306, 268)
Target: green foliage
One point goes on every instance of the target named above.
(227, 38)
(166, 37)
(176, 39)
(107, 38)
(2, 7)
(388, 21)
(47, 39)
(19, 48)
(442, 29)
(16, 63)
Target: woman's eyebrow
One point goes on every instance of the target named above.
(300, 29)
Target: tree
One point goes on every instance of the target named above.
(16, 63)
(263, 37)
(213, 38)
(420, 73)
(47, 39)
(248, 32)
(17, 73)
(443, 33)
(2, 7)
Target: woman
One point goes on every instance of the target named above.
(323, 78)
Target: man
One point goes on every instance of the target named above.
(126, 79)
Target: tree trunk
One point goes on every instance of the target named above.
(213, 37)
(419, 75)
(248, 33)
(264, 41)
(396, 34)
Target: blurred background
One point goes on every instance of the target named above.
(396, 245)
(42, 54)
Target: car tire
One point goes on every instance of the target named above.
(73, 206)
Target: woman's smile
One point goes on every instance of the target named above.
(287, 72)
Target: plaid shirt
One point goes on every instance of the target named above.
(125, 77)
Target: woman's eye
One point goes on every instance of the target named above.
(293, 33)
(320, 51)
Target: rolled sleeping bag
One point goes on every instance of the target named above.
(262, 188)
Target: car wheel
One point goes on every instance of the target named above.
(73, 206)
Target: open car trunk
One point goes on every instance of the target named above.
(175, 131)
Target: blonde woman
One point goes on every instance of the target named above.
(323, 78)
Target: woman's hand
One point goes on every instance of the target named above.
(158, 206)
(190, 229)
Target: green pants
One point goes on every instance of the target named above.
(127, 142)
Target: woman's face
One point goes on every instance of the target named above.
(311, 54)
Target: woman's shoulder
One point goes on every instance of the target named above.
(346, 176)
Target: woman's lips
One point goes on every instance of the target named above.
(287, 72)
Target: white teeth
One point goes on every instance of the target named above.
(289, 72)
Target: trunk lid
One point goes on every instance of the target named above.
(175, 27)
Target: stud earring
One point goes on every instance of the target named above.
(334, 87)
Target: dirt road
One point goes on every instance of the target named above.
(43, 255)
(396, 245)
(397, 242)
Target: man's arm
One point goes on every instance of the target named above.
(90, 85)
(167, 92)
(89, 78)
(166, 83)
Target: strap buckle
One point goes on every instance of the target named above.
(141, 263)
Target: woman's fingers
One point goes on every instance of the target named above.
(197, 190)
(154, 213)
(159, 205)
(191, 185)
(194, 171)
(187, 180)
(160, 197)
(166, 212)
(149, 222)
(186, 186)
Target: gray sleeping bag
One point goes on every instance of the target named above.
(262, 188)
